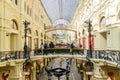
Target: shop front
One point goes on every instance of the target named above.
(39, 68)
(89, 70)
(28, 70)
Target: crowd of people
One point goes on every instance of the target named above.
(44, 47)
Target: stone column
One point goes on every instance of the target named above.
(33, 76)
(16, 73)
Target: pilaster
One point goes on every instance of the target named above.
(17, 72)
(99, 74)
(34, 71)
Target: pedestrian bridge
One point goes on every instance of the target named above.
(60, 27)
(103, 57)
(82, 57)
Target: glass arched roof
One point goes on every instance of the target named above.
(60, 21)
(60, 9)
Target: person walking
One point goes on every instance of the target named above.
(48, 73)
(45, 48)
(72, 46)
(42, 48)
(51, 45)
(80, 45)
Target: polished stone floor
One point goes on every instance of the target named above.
(61, 62)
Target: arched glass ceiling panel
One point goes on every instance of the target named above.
(61, 33)
(60, 9)
(60, 21)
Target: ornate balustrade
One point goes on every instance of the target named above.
(11, 55)
(108, 55)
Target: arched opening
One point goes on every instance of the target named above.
(41, 35)
(29, 31)
(13, 35)
(103, 33)
(45, 36)
(36, 39)
(14, 24)
(41, 38)
(36, 33)
(102, 21)
(29, 39)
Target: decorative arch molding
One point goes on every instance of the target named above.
(102, 14)
(13, 27)
(14, 24)
(36, 32)
(29, 31)
(102, 21)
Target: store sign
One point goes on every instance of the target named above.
(89, 73)
(26, 73)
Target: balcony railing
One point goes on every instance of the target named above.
(108, 55)
(11, 55)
